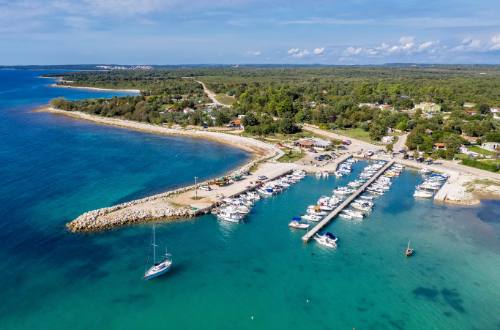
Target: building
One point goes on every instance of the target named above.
(495, 112)
(235, 123)
(491, 146)
(314, 142)
(368, 105)
(469, 105)
(465, 151)
(387, 139)
(470, 139)
(427, 107)
(305, 143)
(376, 106)
(471, 112)
(320, 143)
(439, 146)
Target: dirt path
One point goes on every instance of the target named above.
(211, 95)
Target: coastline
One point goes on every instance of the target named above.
(97, 88)
(257, 148)
(181, 203)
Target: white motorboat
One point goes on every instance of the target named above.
(354, 214)
(420, 193)
(361, 207)
(229, 215)
(345, 215)
(328, 239)
(311, 217)
(296, 223)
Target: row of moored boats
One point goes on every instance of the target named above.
(432, 183)
(358, 208)
(236, 208)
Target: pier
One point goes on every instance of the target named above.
(345, 203)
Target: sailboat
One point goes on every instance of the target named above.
(408, 251)
(158, 268)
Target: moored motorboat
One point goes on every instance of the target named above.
(328, 239)
(298, 224)
(311, 217)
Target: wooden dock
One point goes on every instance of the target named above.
(310, 234)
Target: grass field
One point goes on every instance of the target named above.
(291, 156)
(225, 99)
(481, 151)
(356, 133)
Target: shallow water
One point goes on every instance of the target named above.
(225, 276)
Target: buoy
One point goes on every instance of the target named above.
(307, 301)
(251, 317)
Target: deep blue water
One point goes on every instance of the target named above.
(255, 275)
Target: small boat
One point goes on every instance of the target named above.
(229, 215)
(298, 224)
(354, 214)
(422, 193)
(328, 240)
(345, 215)
(409, 251)
(158, 268)
(311, 217)
(425, 170)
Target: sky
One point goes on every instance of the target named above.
(249, 31)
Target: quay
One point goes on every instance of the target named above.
(186, 202)
(345, 203)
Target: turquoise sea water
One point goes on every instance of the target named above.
(255, 275)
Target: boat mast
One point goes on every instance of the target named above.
(154, 245)
(408, 245)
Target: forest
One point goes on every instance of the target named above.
(277, 99)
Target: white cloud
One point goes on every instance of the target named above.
(319, 51)
(406, 45)
(298, 53)
(495, 42)
(468, 44)
(353, 51)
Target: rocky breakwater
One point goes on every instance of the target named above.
(152, 208)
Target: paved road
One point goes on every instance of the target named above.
(400, 143)
(356, 145)
(441, 165)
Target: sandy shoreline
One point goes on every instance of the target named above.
(97, 88)
(256, 147)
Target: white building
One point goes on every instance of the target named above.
(427, 107)
(465, 151)
(320, 143)
(388, 139)
(491, 146)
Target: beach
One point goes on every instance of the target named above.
(97, 89)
